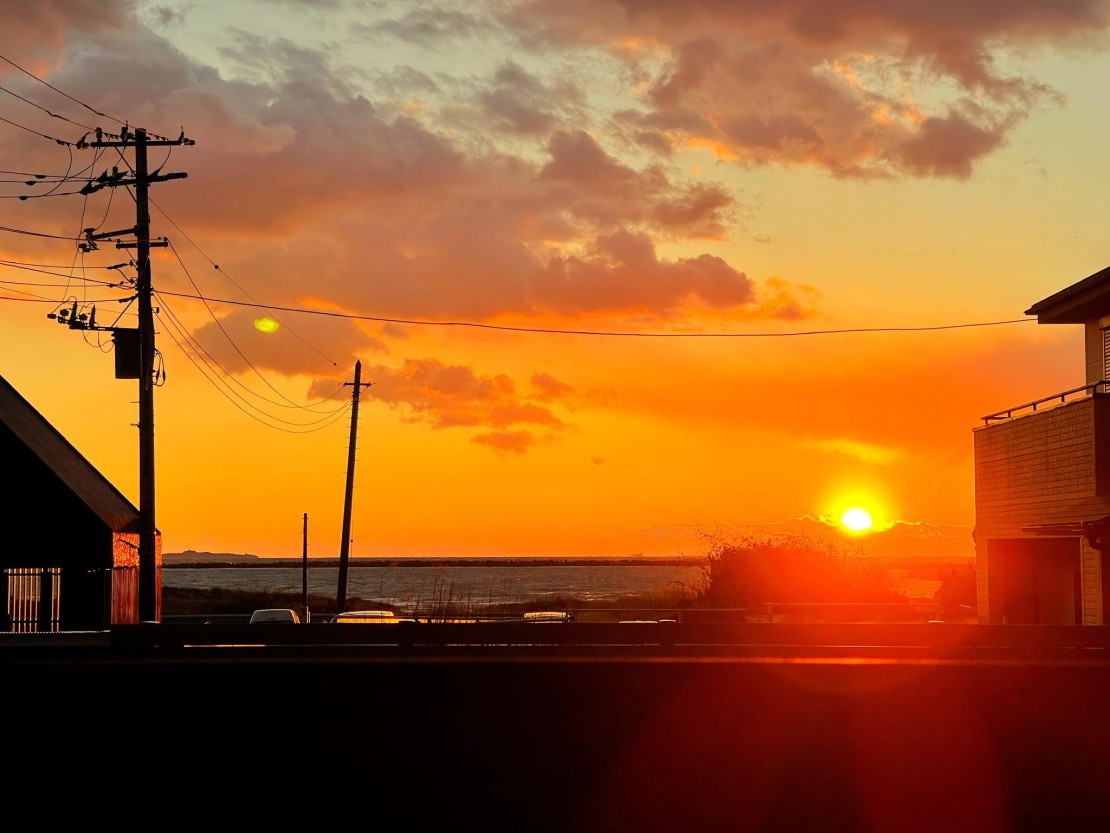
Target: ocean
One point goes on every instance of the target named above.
(417, 585)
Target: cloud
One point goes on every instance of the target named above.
(302, 185)
(859, 89)
(516, 442)
(519, 102)
(35, 31)
(863, 451)
(443, 396)
(548, 388)
(428, 26)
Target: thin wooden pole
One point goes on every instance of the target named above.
(345, 543)
(304, 571)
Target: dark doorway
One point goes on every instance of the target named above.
(1038, 580)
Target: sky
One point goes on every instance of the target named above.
(623, 276)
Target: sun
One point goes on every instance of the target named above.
(856, 519)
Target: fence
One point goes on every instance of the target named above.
(33, 599)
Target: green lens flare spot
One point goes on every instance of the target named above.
(266, 325)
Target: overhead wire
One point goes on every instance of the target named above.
(39, 233)
(615, 333)
(58, 181)
(230, 340)
(61, 92)
(54, 139)
(212, 371)
(228, 277)
(45, 110)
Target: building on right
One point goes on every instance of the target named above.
(1042, 485)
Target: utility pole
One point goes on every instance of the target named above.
(141, 180)
(345, 544)
(304, 570)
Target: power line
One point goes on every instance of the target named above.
(38, 233)
(39, 266)
(60, 92)
(201, 359)
(40, 107)
(226, 335)
(610, 333)
(25, 197)
(216, 266)
(36, 132)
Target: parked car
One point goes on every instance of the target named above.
(548, 616)
(275, 614)
(362, 617)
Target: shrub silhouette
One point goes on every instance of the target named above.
(752, 570)
(957, 589)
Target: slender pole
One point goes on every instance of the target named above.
(304, 570)
(148, 580)
(345, 543)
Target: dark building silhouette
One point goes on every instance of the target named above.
(1042, 485)
(70, 558)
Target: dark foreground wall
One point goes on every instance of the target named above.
(243, 739)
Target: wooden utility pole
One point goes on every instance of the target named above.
(345, 544)
(304, 570)
(141, 180)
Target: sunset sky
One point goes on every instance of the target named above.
(597, 259)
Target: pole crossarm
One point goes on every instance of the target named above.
(129, 139)
(115, 179)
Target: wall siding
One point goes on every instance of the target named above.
(1028, 469)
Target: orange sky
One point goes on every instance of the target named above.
(596, 258)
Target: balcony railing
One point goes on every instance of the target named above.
(1053, 400)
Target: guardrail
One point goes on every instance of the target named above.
(1055, 399)
(461, 639)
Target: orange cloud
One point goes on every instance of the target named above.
(453, 396)
(298, 181)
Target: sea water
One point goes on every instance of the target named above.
(420, 585)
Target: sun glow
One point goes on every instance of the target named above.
(856, 519)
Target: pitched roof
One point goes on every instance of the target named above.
(1087, 300)
(55, 451)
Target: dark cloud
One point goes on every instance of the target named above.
(946, 147)
(823, 83)
(519, 102)
(429, 26)
(282, 62)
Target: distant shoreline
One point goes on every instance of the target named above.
(208, 561)
(216, 560)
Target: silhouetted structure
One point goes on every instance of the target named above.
(1042, 485)
(70, 558)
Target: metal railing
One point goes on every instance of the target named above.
(32, 599)
(1055, 399)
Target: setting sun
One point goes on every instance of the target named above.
(856, 519)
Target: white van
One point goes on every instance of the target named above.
(275, 614)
